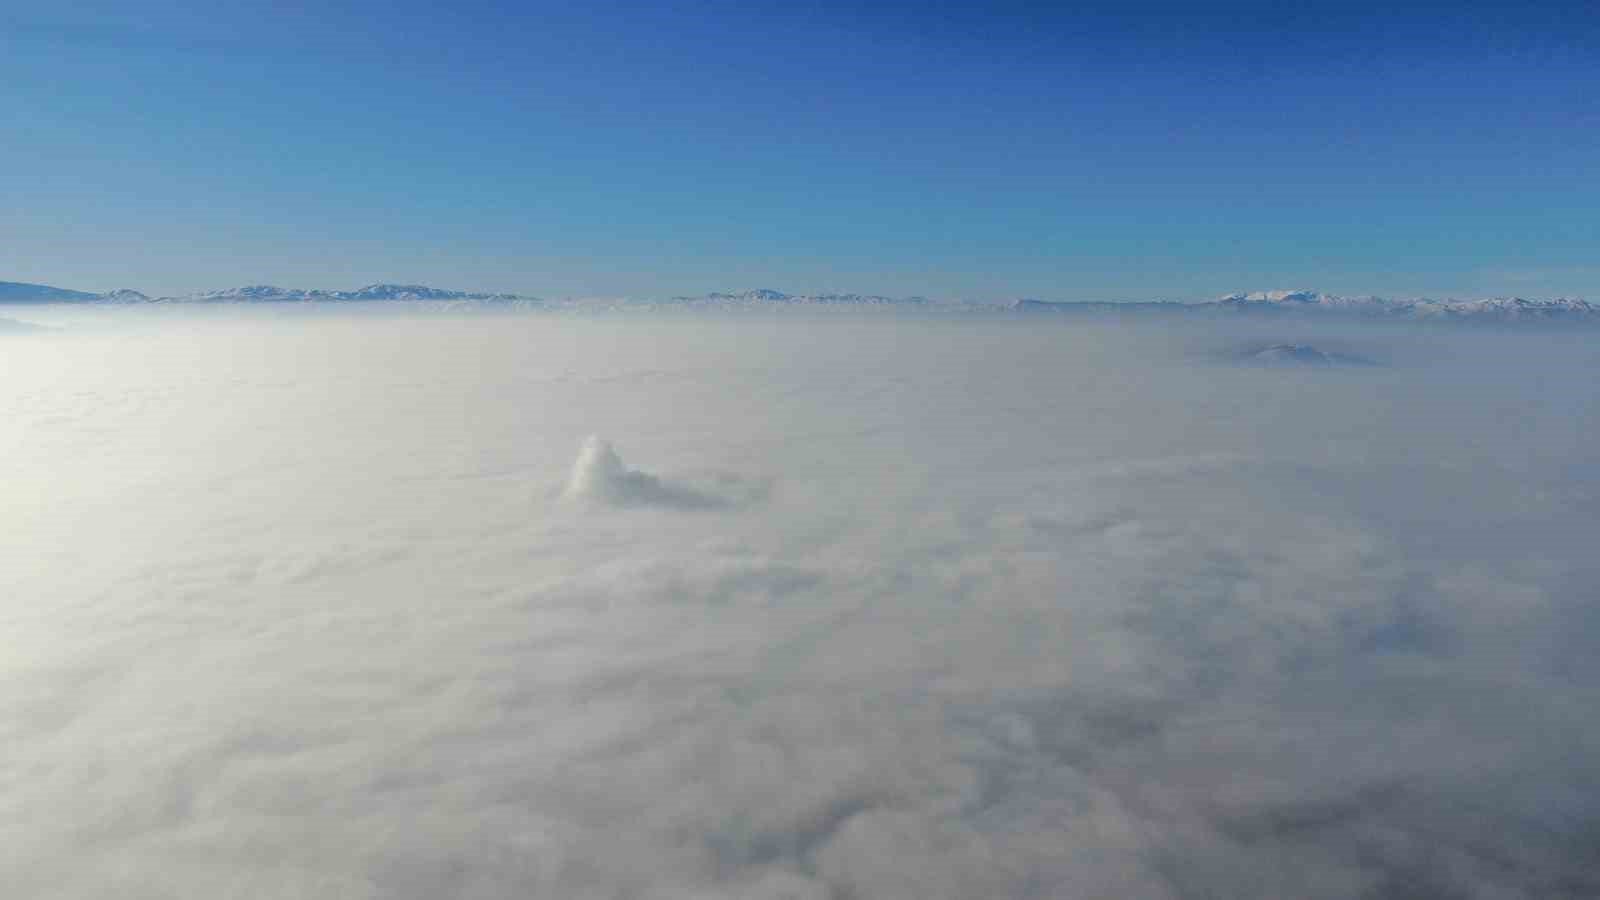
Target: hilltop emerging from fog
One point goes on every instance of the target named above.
(1268, 303)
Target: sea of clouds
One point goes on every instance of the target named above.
(850, 608)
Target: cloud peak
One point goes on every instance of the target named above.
(599, 476)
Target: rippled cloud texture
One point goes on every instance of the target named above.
(854, 608)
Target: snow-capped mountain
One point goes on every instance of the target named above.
(19, 292)
(1313, 303)
(1306, 300)
(123, 295)
(1421, 309)
(1507, 309)
(255, 293)
(418, 292)
(265, 293)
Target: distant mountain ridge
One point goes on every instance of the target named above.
(265, 293)
(1418, 308)
(23, 292)
(1313, 303)
(1279, 302)
(770, 296)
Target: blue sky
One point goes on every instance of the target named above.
(1110, 151)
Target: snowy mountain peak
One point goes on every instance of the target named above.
(264, 293)
(1273, 297)
(402, 292)
(124, 295)
(1493, 309)
(766, 294)
(249, 292)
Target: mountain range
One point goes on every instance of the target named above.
(1312, 303)
(19, 292)
(1420, 308)
(1500, 309)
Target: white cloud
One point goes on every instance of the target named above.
(598, 475)
(1026, 612)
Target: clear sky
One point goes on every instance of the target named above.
(1106, 151)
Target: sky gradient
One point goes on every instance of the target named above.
(1108, 152)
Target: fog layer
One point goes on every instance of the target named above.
(783, 608)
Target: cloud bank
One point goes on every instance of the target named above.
(1043, 611)
(12, 326)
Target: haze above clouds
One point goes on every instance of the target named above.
(842, 608)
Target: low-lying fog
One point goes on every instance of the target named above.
(850, 608)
